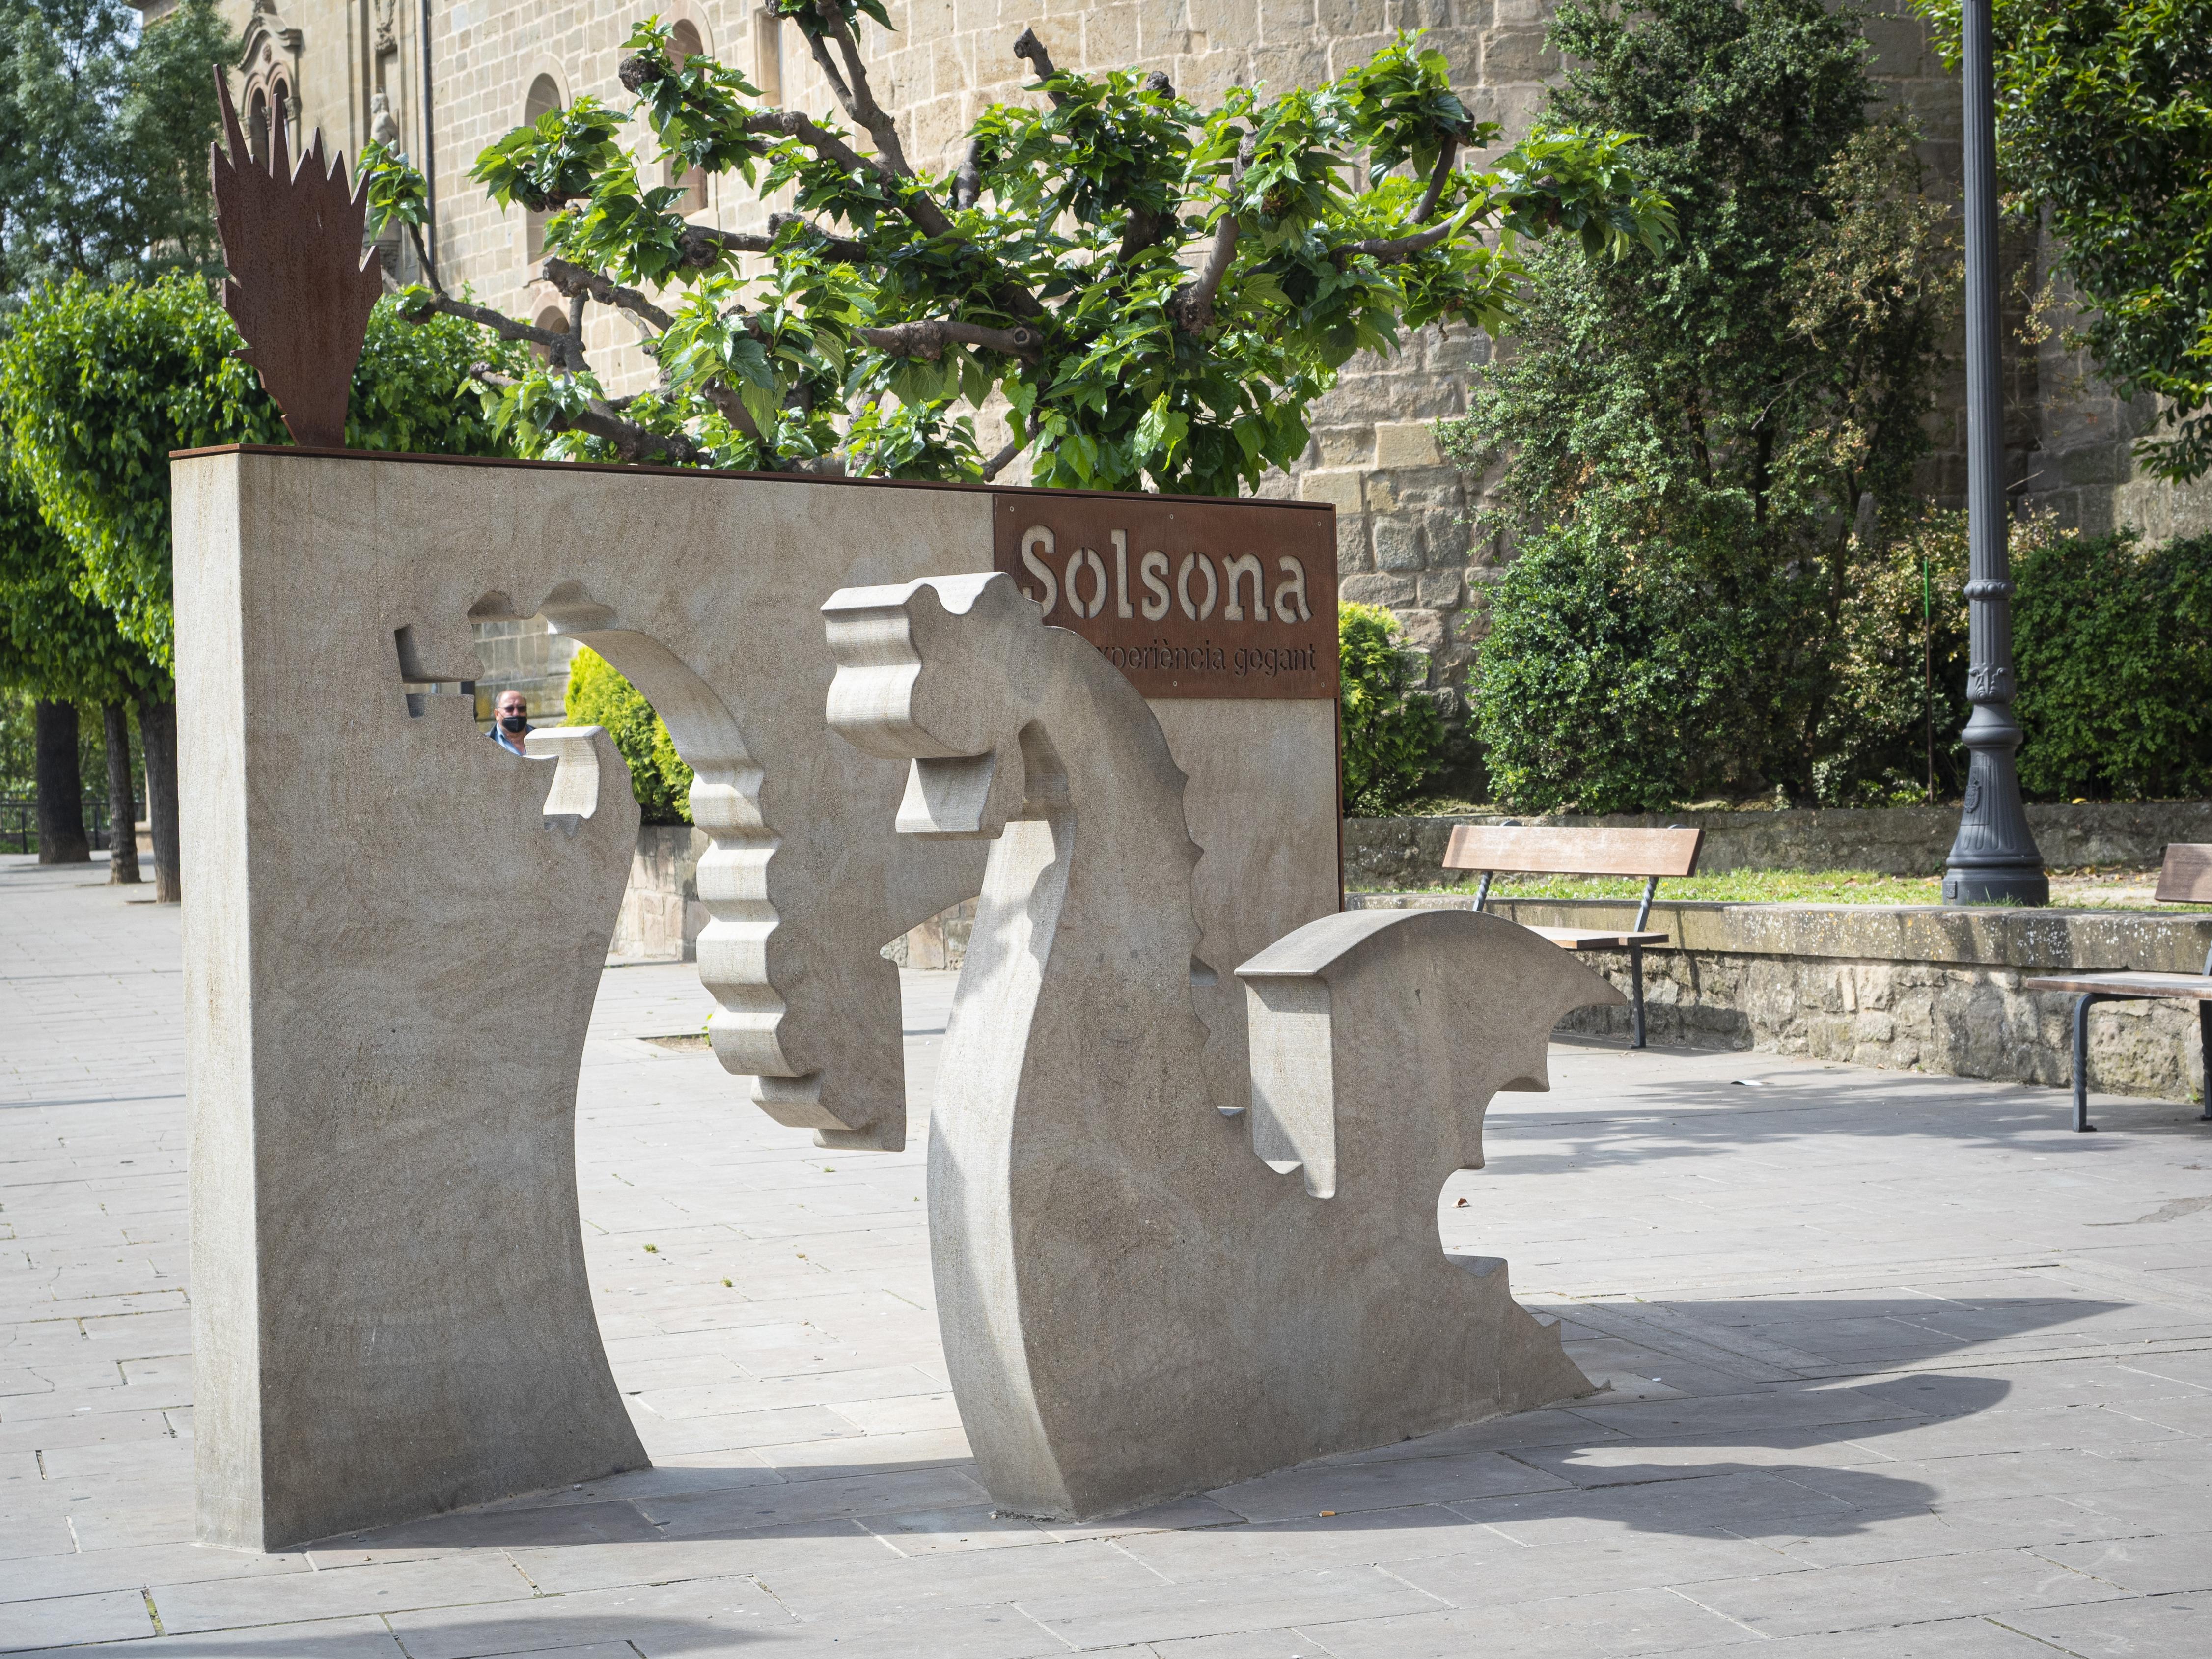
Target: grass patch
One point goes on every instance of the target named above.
(1735, 887)
(2070, 889)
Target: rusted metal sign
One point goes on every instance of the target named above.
(1188, 598)
(300, 288)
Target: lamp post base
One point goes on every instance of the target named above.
(2016, 886)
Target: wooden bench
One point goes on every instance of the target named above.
(1520, 849)
(2185, 878)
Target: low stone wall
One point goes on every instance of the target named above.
(1387, 853)
(661, 913)
(940, 942)
(1902, 990)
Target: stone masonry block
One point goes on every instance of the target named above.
(1344, 488)
(1439, 590)
(1405, 443)
(1302, 64)
(1227, 20)
(1425, 631)
(1343, 446)
(1352, 556)
(1517, 53)
(1109, 37)
(1380, 587)
(1397, 545)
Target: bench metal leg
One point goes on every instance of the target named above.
(2204, 1034)
(1636, 980)
(2082, 1124)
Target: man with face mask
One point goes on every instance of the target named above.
(510, 720)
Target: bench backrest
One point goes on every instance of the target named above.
(2185, 878)
(1560, 850)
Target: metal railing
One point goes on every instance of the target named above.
(19, 822)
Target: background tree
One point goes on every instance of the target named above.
(1716, 412)
(65, 650)
(99, 384)
(1156, 294)
(104, 130)
(2105, 123)
(659, 777)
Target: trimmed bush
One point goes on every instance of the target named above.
(599, 695)
(1620, 676)
(2113, 643)
(1393, 735)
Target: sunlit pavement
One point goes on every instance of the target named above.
(1898, 1366)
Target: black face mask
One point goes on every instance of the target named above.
(515, 722)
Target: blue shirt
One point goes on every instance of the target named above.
(498, 735)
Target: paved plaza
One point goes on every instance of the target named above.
(1896, 1365)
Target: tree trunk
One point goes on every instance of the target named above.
(61, 788)
(157, 738)
(122, 798)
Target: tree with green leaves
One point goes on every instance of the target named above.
(63, 649)
(98, 383)
(2105, 124)
(1155, 293)
(104, 130)
(1731, 402)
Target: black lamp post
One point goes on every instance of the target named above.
(1994, 859)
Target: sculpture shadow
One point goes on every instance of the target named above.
(1787, 1459)
(543, 1632)
(1697, 1117)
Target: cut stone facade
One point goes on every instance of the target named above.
(1405, 534)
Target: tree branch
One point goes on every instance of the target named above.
(576, 283)
(423, 260)
(929, 338)
(632, 441)
(731, 407)
(842, 249)
(1192, 304)
(562, 351)
(1437, 179)
(1026, 45)
(913, 200)
(967, 183)
(863, 106)
(1389, 251)
(999, 462)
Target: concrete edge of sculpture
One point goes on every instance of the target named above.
(1134, 1306)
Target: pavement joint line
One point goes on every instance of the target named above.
(1677, 1589)
(2072, 1653)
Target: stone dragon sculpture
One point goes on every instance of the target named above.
(1134, 1305)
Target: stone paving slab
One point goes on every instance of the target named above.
(1897, 1366)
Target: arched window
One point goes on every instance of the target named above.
(256, 127)
(553, 320)
(684, 42)
(543, 100)
(281, 105)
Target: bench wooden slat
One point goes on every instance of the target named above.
(1585, 939)
(2188, 986)
(1560, 850)
(2185, 878)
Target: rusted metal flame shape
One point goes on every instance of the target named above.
(300, 289)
